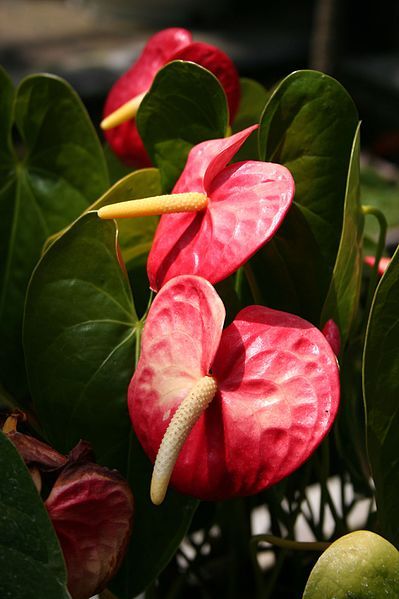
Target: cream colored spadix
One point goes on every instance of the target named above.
(177, 432)
(165, 204)
(123, 113)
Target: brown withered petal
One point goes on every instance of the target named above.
(91, 509)
(34, 451)
(82, 452)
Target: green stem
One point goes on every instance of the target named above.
(238, 282)
(370, 210)
(290, 544)
(253, 285)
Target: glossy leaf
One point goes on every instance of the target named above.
(135, 235)
(308, 125)
(61, 172)
(361, 565)
(79, 339)
(31, 561)
(80, 330)
(252, 103)
(343, 296)
(185, 106)
(381, 391)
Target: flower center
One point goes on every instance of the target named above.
(126, 112)
(165, 204)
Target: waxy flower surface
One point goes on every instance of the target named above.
(270, 379)
(161, 48)
(246, 204)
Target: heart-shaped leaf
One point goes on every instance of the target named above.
(252, 103)
(79, 336)
(361, 565)
(308, 125)
(61, 171)
(381, 391)
(31, 562)
(343, 296)
(79, 339)
(185, 106)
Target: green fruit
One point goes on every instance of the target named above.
(360, 565)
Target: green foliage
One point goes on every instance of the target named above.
(381, 391)
(31, 562)
(44, 185)
(185, 105)
(252, 102)
(308, 125)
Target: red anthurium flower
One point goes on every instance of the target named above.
(125, 96)
(91, 509)
(234, 210)
(247, 202)
(270, 379)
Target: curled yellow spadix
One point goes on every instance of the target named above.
(165, 204)
(176, 434)
(124, 113)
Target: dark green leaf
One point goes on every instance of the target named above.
(157, 530)
(288, 269)
(360, 565)
(381, 393)
(343, 296)
(31, 562)
(308, 125)
(252, 102)
(61, 171)
(185, 106)
(80, 333)
(79, 339)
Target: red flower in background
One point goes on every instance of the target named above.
(270, 378)
(161, 48)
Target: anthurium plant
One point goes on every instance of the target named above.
(199, 355)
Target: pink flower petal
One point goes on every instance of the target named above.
(124, 139)
(278, 393)
(91, 509)
(247, 204)
(180, 339)
(218, 63)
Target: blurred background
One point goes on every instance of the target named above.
(91, 42)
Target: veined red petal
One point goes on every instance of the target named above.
(278, 394)
(207, 159)
(247, 204)
(124, 139)
(179, 343)
(91, 509)
(218, 63)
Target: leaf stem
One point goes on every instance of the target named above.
(253, 285)
(371, 210)
(290, 544)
